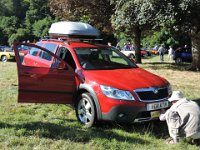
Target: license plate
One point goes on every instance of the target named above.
(155, 114)
(159, 105)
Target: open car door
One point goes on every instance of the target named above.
(43, 77)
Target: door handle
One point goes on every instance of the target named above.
(26, 73)
(30, 75)
(35, 63)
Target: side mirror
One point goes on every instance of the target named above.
(62, 65)
(131, 59)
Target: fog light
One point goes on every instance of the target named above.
(121, 115)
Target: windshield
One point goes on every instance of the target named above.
(102, 59)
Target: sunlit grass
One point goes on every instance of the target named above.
(48, 126)
(180, 78)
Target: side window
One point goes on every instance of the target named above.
(62, 52)
(66, 55)
(45, 55)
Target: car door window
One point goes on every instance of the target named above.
(34, 51)
(51, 47)
(38, 57)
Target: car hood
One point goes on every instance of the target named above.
(128, 79)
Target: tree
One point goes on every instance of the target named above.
(164, 35)
(187, 20)
(19, 20)
(134, 17)
(21, 35)
(38, 10)
(15, 8)
(8, 25)
(41, 27)
(95, 12)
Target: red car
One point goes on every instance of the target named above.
(85, 75)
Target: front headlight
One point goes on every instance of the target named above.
(116, 93)
(169, 89)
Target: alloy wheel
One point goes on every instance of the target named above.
(85, 111)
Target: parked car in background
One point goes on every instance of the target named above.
(145, 52)
(83, 73)
(152, 51)
(6, 53)
(182, 54)
(131, 53)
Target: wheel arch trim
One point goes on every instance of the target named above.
(94, 96)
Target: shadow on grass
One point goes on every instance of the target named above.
(167, 66)
(73, 133)
(155, 128)
(197, 101)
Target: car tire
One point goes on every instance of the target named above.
(85, 110)
(4, 58)
(178, 61)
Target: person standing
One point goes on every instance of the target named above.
(161, 51)
(126, 47)
(109, 44)
(170, 53)
(118, 46)
(183, 119)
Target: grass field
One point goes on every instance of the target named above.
(48, 126)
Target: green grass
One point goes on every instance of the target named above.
(48, 126)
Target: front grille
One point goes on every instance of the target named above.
(152, 94)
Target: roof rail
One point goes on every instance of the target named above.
(69, 40)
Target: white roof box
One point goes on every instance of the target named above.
(72, 29)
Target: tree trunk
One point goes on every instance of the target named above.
(195, 38)
(137, 42)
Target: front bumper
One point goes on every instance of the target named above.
(129, 114)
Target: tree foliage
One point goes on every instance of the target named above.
(164, 35)
(19, 20)
(95, 12)
(188, 17)
(134, 17)
(185, 19)
(41, 27)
